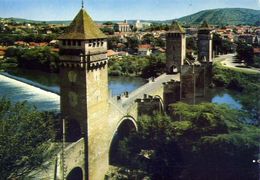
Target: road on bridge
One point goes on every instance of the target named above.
(148, 88)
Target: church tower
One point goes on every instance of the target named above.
(84, 90)
(175, 48)
(205, 37)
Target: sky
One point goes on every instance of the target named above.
(103, 10)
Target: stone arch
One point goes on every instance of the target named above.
(123, 129)
(75, 174)
(161, 102)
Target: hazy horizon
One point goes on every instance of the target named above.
(114, 10)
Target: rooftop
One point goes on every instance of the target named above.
(82, 28)
(205, 25)
(176, 27)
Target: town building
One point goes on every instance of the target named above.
(144, 50)
(141, 25)
(122, 27)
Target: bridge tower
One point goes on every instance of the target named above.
(84, 93)
(205, 38)
(175, 48)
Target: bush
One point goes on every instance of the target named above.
(24, 146)
(208, 142)
(35, 58)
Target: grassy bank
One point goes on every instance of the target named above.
(234, 78)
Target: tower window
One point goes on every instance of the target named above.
(63, 42)
(89, 44)
(102, 43)
(94, 44)
(79, 43)
(69, 43)
(74, 43)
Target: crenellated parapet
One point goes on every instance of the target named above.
(149, 105)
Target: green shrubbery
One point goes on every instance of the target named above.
(41, 58)
(137, 66)
(24, 139)
(224, 76)
(205, 141)
(246, 82)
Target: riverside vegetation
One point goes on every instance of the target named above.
(243, 81)
(25, 138)
(204, 141)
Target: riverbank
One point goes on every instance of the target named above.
(243, 81)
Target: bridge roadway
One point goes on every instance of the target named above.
(149, 88)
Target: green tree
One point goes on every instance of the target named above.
(245, 52)
(36, 58)
(191, 43)
(133, 42)
(155, 66)
(108, 31)
(112, 42)
(24, 139)
(221, 45)
(148, 39)
(205, 141)
(108, 23)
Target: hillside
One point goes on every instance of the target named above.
(20, 20)
(230, 16)
(226, 16)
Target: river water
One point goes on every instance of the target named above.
(46, 98)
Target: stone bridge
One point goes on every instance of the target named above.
(122, 117)
(95, 122)
(123, 113)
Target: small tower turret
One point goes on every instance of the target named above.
(205, 38)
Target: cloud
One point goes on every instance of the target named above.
(258, 1)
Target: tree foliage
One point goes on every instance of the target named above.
(35, 58)
(150, 39)
(9, 39)
(221, 45)
(246, 83)
(133, 65)
(108, 31)
(205, 141)
(245, 53)
(24, 139)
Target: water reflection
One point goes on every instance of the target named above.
(18, 91)
(226, 99)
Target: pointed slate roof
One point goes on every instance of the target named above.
(176, 27)
(205, 25)
(82, 28)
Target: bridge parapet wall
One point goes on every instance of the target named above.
(73, 157)
(149, 105)
(171, 94)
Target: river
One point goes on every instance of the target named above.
(46, 97)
